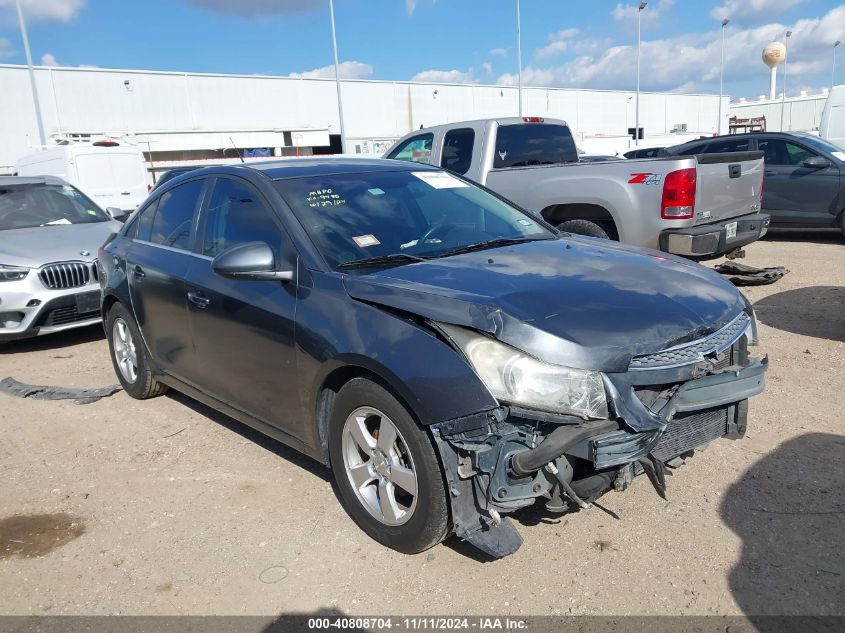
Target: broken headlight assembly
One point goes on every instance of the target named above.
(516, 378)
(12, 273)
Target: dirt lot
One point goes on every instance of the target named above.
(166, 507)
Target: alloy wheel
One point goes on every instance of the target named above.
(125, 352)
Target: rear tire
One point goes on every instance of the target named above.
(398, 497)
(129, 356)
(583, 227)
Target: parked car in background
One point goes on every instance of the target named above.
(49, 236)
(646, 152)
(112, 173)
(805, 175)
(596, 158)
(832, 124)
(170, 174)
(451, 357)
(696, 207)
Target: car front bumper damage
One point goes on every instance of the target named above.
(507, 458)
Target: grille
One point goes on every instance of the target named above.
(690, 353)
(65, 315)
(66, 275)
(687, 431)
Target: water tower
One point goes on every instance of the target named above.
(773, 56)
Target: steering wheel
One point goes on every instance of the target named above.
(437, 232)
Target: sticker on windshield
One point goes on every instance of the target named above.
(366, 240)
(91, 212)
(525, 222)
(839, 155)
(376, 191)
(324, 198)
(439, 179)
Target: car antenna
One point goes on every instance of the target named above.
(236, 149)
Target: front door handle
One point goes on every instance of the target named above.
(138, 273)
(198, 299)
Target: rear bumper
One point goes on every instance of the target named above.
(711, 240)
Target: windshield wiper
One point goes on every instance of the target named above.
(382, 260)
(499, 241)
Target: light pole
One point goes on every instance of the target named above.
(25, 38)
(833, 66)
(783, 92)
(722, 76)
(337, 80)
(519, 54)
(637, 109)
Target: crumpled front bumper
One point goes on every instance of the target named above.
(721, 395)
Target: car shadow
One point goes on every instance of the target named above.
(817, 311)
(264, 441)
(788, 509)
(57, 341)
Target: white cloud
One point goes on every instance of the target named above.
(499, 52)
(48, 59)
(345, 70)
(558, 42)
(255, 8)
(410, 5)
(487, 67)
(737, 9)
(651, 15)
(690, 62)
(45, 10)
(6, 49)
(445, 77)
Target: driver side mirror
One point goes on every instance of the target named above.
(253, 261)
(117, 214)
(816, 162)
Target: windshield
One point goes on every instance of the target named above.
(826, 146)
(29, 205)
(418, 214)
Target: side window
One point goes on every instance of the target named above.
(457, 150)
(236, 215)
(528, 144)
(735, 145)
(778, 152)
(416, 149)
(145, 221)
(172, 222)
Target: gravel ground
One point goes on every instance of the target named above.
(167, 507)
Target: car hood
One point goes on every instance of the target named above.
(579, 302)
(41, 245)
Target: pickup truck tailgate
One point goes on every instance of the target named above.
(729, 185)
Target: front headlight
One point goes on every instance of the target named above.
(12, 273)
(517, 378)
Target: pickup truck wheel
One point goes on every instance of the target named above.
(387, 472)
(583, 227)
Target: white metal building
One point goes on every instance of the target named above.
(172, 113)
(800, 114)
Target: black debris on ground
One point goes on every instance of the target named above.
(13, 387)
(742, 275)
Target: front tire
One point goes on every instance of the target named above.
(387, 472)
(128, 355)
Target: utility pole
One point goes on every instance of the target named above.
(336, 80)
(783, 89)
(25, 37)
(642, 6)
(722, 76)
(519, 54)
(833, 66)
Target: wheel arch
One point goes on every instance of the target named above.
(557, 213)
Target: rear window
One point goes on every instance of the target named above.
(735, 145)
(109, 171)
(527, 144)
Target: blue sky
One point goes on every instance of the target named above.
(571, 44)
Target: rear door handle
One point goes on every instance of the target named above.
(198, 299)
(138, 273)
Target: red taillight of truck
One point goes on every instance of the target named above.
(678, 201)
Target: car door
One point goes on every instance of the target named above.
(243, 330)
(793, 192)
(156, 265)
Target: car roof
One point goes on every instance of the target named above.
(9, 181)
(329, 165)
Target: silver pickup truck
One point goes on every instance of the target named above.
(699, 207)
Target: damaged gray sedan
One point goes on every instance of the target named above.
(451, 357)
